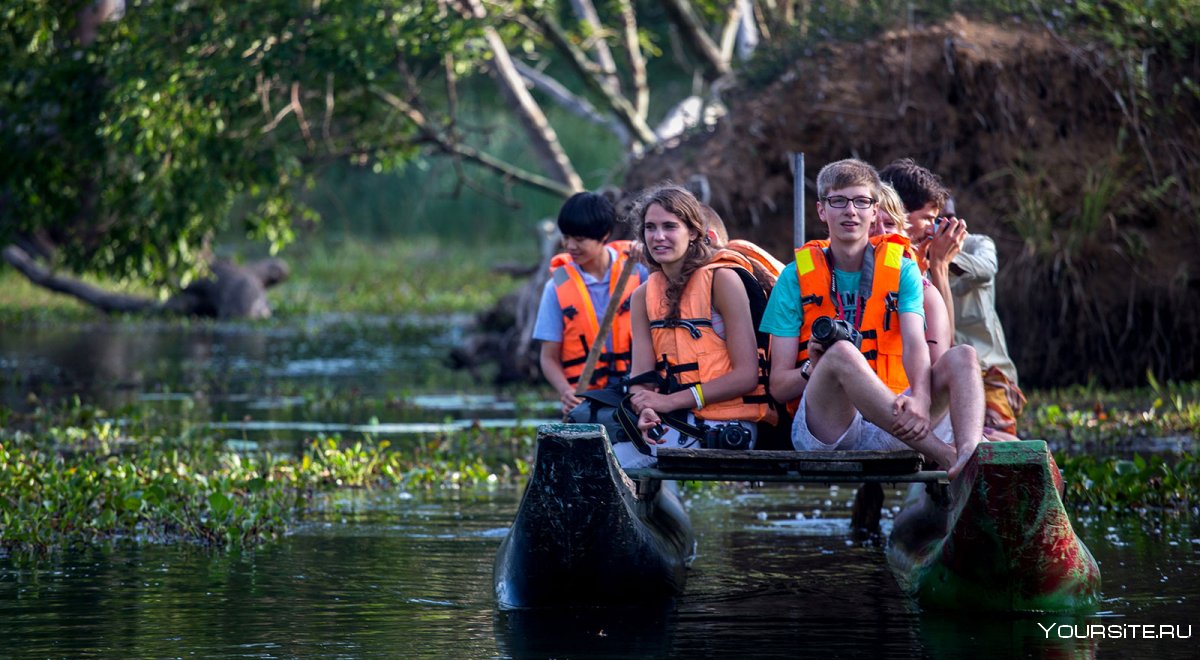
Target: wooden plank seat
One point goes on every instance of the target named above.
(794, 466)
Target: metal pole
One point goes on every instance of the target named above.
(798, 198)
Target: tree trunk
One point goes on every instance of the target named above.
(233, 291)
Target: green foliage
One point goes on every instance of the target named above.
(1084, 417)
(130, 151)
(75, 477)
(1118, 482)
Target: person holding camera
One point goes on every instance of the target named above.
(853, 313)
(692, 328)
(963, 266)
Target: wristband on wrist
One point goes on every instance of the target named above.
(805, 368)
(697, 397)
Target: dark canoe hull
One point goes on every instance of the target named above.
(999, 539)
(584, 536)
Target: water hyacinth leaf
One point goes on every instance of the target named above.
(220, 504)
(154, 495)
(132, 502)
(1122, 468)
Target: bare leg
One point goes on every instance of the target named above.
(842, 383)
(955, 382)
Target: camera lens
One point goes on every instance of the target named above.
(822, 328)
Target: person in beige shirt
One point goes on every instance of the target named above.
(963, 267)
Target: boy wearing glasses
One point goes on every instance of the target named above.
(880, 394)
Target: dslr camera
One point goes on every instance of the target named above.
(726, 436)
(826, 330)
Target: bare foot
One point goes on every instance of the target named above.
(964, 456)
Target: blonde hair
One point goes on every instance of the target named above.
(889, 203)
(846, 173)
(683, 205)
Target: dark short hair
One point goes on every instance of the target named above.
(587, 215)
(916, 185)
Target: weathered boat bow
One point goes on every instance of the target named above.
(584, 533)
(996, 539)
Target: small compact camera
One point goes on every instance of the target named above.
(826, 330)
(726, 436)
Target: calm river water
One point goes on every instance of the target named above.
(396, 574)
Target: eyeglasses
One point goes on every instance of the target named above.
(840, 202)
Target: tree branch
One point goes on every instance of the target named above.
(586, 12)
(577, 105)
(729, 33)
(586, 70)
(542, 136)
(684, 18)
(431, 135)
(637, 62)
(111, 303)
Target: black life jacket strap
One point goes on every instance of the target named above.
(693, 325)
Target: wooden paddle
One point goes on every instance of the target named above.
(610, 312)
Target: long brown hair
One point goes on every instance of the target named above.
(683, 205)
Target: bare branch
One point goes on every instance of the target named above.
(299, 109)
(108, 302)
(575, 104)
(733, 18)
(586, 70)
(586, 12)
(432, 136)
(327, 123)
(685, 19)
(637, 63)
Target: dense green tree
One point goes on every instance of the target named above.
(133, 132)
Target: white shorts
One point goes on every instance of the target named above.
(629, 457)
(861, 435)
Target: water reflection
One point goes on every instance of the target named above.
(271, 384)
(114, 362)
(385, 573)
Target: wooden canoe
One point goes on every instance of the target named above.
(996, 539)
(589, 534)
(585, 535)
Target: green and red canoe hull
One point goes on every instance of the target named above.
(996, 539)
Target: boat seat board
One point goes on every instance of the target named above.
(758, 465)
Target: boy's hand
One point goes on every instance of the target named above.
(647, 420)
(815, 350)
(947, 241)
(569, 400)
(911, 418)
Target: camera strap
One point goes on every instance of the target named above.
(628, 420)
(866, 277)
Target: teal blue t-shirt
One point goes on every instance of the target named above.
(784, 316)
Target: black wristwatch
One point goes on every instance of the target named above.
(805, 368)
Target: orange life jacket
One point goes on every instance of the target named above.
(581, 321)
(770, 264)
(688, 349)
(879, 315)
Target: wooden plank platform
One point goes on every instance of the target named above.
(788, 466)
